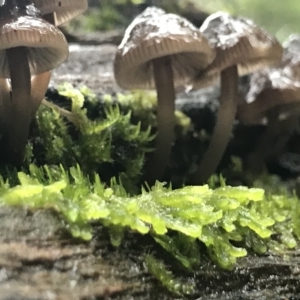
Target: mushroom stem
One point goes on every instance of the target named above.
(255, 161)
(163, 76)
(5, 98)
(272, 141)
(39, 85)
(51, 18)
(223, 126)
(287, 128)
(19, 109)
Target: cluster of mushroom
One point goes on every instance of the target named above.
(274, 99)
(31, 46)
(165, 51)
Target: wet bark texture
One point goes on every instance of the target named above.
(39, 260)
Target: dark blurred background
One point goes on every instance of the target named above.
(279, 17)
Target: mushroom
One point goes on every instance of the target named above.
(161, 51)
(59, 12)
(29, 46)
(274, 98)
(39, 85)
(241, 48)
(56, 13)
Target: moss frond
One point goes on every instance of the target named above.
(215, 217)
(109, 144)
(166, 278)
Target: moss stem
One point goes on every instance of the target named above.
(163, 75)
(223, 126)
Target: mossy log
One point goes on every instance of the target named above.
(39, 259)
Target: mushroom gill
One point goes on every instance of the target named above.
(60, 12)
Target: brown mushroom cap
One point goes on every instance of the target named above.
(269, 89)
(275, 87)
(64, 10)
(47, 46)
(154, 34)
(238, 41)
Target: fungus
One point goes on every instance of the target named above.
(161, 51)
(28, 46)
(56, 13)
(60, 12)
(39, 85)
(241, 48)
(274, 98)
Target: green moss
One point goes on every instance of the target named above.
(109, 143)
(160, 272)
(215, 217)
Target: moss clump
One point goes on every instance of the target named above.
(111, 135)
(215, 217)
(107, 143)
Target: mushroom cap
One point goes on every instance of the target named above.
(154, 34)
(65, 10)
(237, 41)
(291, 50)
(270, 89)
(275, 87)
(46, 45)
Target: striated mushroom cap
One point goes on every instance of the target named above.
(22, 27)
(64, 10)
(277, 87)
(154, 34)
(237, 41)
